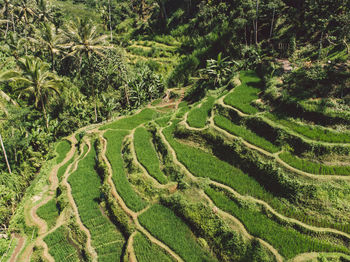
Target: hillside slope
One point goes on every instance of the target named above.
(178, 182)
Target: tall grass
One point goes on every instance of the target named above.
(85, 182)
(313, 132)
(162, 223)
(245, 133)
(286, 240)
(147, 155)
(197, 117)
(59, 246)
(313, 167)
(131, 122)
(146, 251)
(49, 212)
(243, 95)
(114, 155)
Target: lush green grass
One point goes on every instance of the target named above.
(85, 182)
(313, 132)
(245, 133)
(312, 167)
(146, 251)
(147, 155)
(164, 121)
(131, 122)
(197, 117)
(62, 149)
(59, 247)
(203, 164)
(49, 212)
(286, 240)
(114, 155)
(243, 95)
(162, 223)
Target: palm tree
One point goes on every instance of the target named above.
(44, 11)
(36, 80)
(49, 37)
(83, 40)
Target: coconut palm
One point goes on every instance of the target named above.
(44, 11)
(37, 80)
(50, 38)
(83, 40)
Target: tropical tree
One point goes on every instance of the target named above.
(44, 11)
(50, 38)
(35, 79)
(83, 39)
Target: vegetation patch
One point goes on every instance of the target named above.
(147, 155)
(114, 155)
(170, 229)
(313, 132)
(146, 251)
(131, 122)
(242, 96)
(313, 167)
(85, 182)
(49, 212)
(286, 240)
(245, 133)
(59, 246)
(197, 117)
(62, 149)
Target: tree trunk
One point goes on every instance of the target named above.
(110, 19)
(45, 114)
(272, 21)
(52, 60)
(256, 22)
(5, 155)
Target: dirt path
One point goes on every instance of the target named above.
(19, 246)
(71, 201)
(130, 248)
(35, 219)
(133, 215)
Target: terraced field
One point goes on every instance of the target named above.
(216, 181)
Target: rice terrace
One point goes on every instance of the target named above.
(224, 145)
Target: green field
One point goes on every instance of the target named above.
(242, 96)
(313, 167)
(198, 116)
(313, 132)
(114, 155)
(146, 251)
(245, 133)
(49, 212)
(170, 229)
(147, 155)
(286, 240)
(131, 122)
(85, 182)
(62, 149)
(59, 246)
(203, 164)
